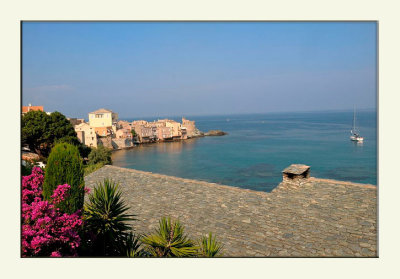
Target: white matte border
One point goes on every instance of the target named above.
(386, 12)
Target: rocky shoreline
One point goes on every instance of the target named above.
(210, 133)
(213, 133)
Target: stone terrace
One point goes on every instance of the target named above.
(314, 218)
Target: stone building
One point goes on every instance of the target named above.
(165, 133)
(163, 129)
(86, 134)
(122, 124)
(175, 129)
(145, 134)
(76, 121)
(123, 133)
(189, 126)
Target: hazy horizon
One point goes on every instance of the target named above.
(245, 113)
(156, 69)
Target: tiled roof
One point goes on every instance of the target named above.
(25, 109)
(102, 110)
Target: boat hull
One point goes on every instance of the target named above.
(354, 138)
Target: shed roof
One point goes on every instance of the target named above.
(296, 169)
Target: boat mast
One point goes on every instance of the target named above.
(354, 120)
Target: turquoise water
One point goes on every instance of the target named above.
(260, 146)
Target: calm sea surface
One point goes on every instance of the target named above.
(260, 146)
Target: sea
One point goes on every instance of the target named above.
(259, 146)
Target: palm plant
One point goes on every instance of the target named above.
(210, 247)
(169, 240)
(106, 218)
(132, 246)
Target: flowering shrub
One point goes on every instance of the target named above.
(45, 230)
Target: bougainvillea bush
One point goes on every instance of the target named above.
(46, 231)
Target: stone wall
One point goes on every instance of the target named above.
(114, 143)
(121, 143)
(105, 141)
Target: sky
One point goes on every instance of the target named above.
(153, 69)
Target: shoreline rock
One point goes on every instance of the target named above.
(213, 133)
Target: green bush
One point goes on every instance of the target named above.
(64, 166)
(100, 154)
(84, 150)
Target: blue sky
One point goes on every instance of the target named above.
(173, 69)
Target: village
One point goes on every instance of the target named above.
(104, 128)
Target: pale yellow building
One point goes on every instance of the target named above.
(86, 134)
(102, 118)
(104, 121)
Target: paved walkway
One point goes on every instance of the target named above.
(317, 219)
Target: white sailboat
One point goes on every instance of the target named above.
(355, 136)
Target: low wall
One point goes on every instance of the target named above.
(315, 218)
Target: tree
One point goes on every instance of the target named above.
(64, 166)
(40, 131)
(169, 240)
(60, 127)
(106, 218)
(34, 132)
(100, 154)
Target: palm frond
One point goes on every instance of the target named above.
(210, 247)
(169, 240)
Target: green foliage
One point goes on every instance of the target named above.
(169, 240)
(26, 170)
(34, 128)
(133, 133)
(84, 150)
(132, 247)
(106, 217)
(64, 166)
(68, 139)
(100, 154)
(92, 168)
(40, 131)
(210, 247)
(60, 126)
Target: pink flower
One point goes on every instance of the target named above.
(55, 254)
(45, 230)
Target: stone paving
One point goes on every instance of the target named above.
(314, 218)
